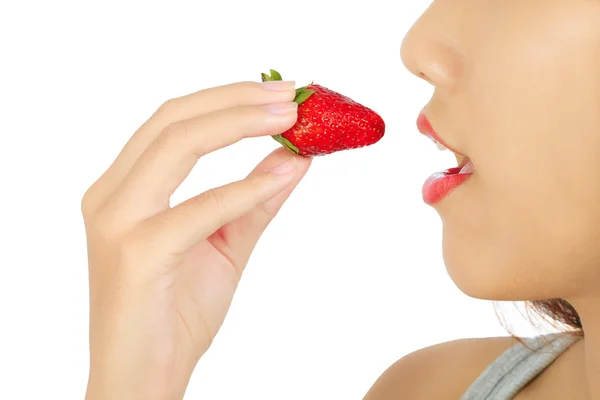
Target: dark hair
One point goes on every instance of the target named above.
(540, 314)
(558, 310)
(558, 313)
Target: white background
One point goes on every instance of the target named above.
(345, 281)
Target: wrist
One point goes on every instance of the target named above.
(116, 386)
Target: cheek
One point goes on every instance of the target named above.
(528, 226)
(534, 97)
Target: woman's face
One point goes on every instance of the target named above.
(517, 90)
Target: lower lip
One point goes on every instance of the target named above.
(441, 184)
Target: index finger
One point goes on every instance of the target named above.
(187, 107)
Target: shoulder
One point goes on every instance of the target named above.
(441, 371)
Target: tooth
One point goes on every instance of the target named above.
(467, 169)
(440, 146)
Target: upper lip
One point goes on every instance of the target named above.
(426, 129)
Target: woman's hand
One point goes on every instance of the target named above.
(162, 278)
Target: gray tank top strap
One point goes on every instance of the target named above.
(518, 366)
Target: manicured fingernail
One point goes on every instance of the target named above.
(279, 85)
(285, 167)
(282, 108)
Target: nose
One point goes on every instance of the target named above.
(430, 49)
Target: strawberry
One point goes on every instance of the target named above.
(328, 122)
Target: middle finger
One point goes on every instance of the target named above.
(184, 108)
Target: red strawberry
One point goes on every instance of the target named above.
(328, 122)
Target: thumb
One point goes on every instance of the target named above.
(239, 237)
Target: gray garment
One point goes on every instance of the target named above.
(518, 366)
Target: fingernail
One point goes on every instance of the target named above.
(282, 108)
(285, 167)
(279, 85)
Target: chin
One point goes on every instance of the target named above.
(484, 271)
(493, 256)
(469, 253)
(471, 274)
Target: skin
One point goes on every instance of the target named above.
(162, 278)
(517, 89)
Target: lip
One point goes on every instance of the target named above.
(439, 185)
(424, 126)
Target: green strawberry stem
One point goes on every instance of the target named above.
(302, 94)
(286, 143)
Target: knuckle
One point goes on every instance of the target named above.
(174, 130)
(168, 106)
(214, 198)
(215, 203)
(254, 190)
(92, 198)
(253, 185)
(240, 88)
(249, 87)
(87, 203)
(249, 115)
(174, 133)
(92, 203)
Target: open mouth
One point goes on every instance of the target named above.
(441, 184)
(465, 166)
